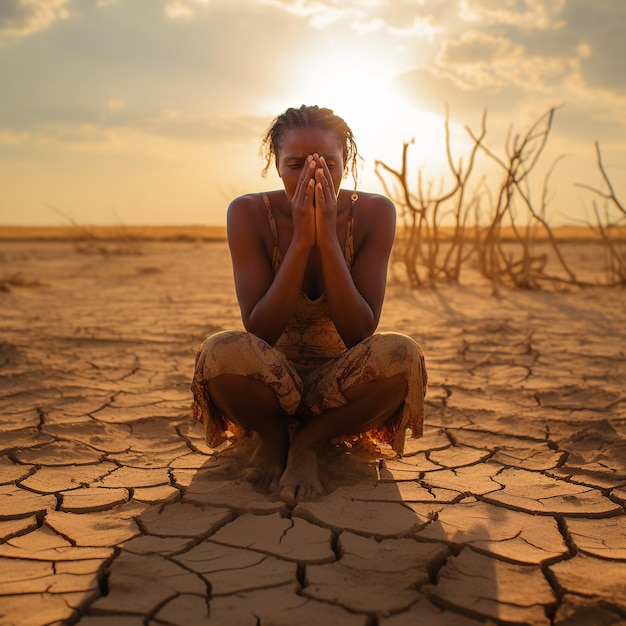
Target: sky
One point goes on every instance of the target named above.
(152, 111)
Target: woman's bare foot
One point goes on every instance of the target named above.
(267, 464)
(300, 480)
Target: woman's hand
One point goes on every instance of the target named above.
(325, 204)
(314, 205)
(303, 205)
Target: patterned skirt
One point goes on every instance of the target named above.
(306, 388)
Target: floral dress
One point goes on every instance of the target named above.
(309, 366)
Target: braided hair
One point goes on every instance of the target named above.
(310, 117)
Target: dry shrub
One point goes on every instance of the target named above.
(116, 241)
(506, 243)
(610, 219)
(18, 280)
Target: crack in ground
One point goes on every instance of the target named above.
(284, 533)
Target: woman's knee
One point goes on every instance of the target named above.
(225, 341)
(392, 346)
(230, 352)
(395, 353)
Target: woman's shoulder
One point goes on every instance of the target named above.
(246, 218)
(248, 208)
(251, 203)
(374, 208)
(245, 202)
(374, 220)
(376, 199)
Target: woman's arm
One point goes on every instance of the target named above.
(267, 301)
(355, 297)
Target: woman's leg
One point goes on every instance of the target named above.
(369, 405)
(381, 380)
(242, 384)
(252, 405)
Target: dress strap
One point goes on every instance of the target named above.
(277, 257)
(348, 248)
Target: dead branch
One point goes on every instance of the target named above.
(431, 254)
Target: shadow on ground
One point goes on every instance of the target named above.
(510, 510)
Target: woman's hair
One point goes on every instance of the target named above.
(310, 117)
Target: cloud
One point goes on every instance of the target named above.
(116, 105)
(12, 137)
(184, 9)
(366, 16)
(525, 14)
(319, 14)
(478, 60)
(584, 114)
(476, 47)
(575, 66)
(421, 27)
(24, 17)
(599, 26)
(177, 10)
(432, 89)
(179, 125)
(120, 130)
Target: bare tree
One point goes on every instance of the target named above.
(422, 213)
(503, 243)
(608, 223)
(522, 155)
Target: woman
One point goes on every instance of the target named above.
(310, 268)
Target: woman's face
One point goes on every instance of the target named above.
(297, 144)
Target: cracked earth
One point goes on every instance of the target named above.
(510, 509)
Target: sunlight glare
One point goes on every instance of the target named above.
(381, 118)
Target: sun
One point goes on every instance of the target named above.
(380, 117)
(383, 121)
